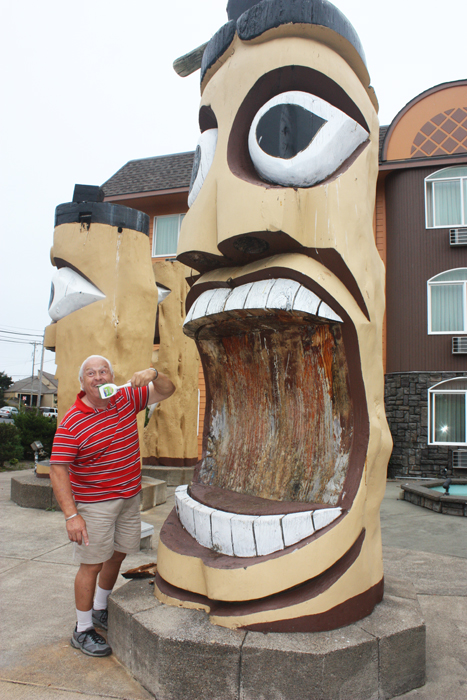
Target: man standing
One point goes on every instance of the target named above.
(96, 477)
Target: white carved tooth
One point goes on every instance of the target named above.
(203, 303)
(306, 301)
(222, 532)
(237, 299)
(297, 526)
(325, 516)
(185, 513)
(202, 518)
(258, 296)
(191, 312)
(243, 539)
(282, 294)
(218, 299)
(179, 492)
(268, 534)
(326, 312)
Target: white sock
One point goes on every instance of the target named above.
(101, 598)
(84, 618)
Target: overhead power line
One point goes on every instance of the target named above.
(32, 335)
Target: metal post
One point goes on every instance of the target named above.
(39, 396)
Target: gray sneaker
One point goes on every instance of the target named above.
(90, 643)
(99, 618)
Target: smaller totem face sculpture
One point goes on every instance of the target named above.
(279, 530)
(104, 297)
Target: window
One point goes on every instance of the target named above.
(446, 198)
(165, 236)
(446, 302)
(447, 412)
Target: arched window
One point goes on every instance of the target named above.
(447, 412)
(447, 308)
(446, 197)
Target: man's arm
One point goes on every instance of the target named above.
(75, 524)
(160, 386)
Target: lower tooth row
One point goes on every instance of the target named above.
(240, 535)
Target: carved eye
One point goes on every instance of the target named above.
(298, 140)
(70, 292)
(204, 155)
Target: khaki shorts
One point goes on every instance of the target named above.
(112, 526)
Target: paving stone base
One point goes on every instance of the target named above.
(28, 491)
(177, 654)
(406, 403)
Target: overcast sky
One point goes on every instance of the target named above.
(89, 85)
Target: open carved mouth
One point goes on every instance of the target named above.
(286, 426)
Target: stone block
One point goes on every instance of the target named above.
(153, 492)
(181, 656)
(173, 476)
(177, 654)
(400, 629)
(324, 665)
(137, 595)
(29, 491)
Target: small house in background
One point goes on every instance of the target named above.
(26, 392)
(421, 234)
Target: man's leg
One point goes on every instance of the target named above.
(85, 585)
(85, 636)
(110, 570)
(107, 578)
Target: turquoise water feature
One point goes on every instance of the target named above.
(454, 489)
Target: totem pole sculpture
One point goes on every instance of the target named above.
(280, 530)
(104, 297)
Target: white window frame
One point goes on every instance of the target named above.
(154, 235)
(429, 184)
(432, 283)
(434, 391)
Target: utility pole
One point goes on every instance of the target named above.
(39, 396)
(33, 367)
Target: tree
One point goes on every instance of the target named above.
(5, 383)
(32, 426)
(10, 443)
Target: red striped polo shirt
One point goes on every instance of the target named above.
(102, 447)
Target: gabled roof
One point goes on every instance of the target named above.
(151, 175)
(30, 385)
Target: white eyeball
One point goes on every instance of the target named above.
(204, 155)
(298, 140)
(70, 292)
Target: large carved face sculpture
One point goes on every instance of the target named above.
(104, 297)
(280, 527)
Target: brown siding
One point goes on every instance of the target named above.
(414, 255)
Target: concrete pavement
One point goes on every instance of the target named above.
(37, 610)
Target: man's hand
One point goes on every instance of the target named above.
(143, 378)
(160, 386)
(76, 529)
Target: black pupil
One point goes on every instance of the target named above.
(196, 162)
(52, 292)
(286, 130)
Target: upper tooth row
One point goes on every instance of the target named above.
(273, 294)
(240, 535)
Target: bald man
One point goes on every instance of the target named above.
(96, 477)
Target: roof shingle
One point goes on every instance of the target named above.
(151, 175)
